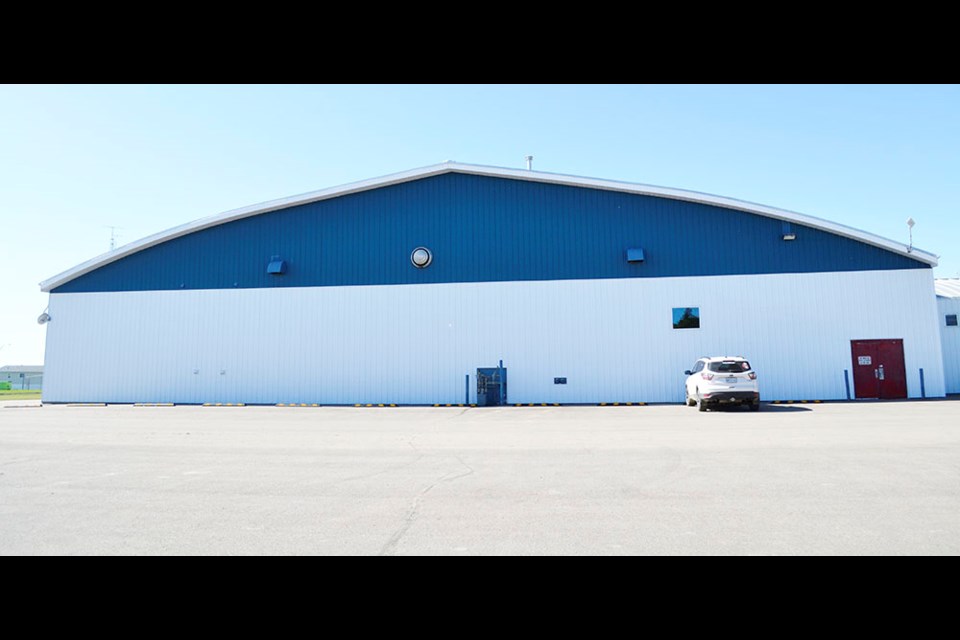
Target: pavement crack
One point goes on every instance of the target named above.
(469, 469)
(390, 547)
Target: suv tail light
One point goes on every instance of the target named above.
(706, 376)
(752, 375)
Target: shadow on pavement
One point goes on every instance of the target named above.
(764, 408)
(782, 408)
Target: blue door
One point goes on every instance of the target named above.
(491, 386)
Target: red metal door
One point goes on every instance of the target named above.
(866, 383)
(878, 369)
(893, 371)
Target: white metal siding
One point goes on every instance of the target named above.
(950, 338)
(947, 287)
(612, 339)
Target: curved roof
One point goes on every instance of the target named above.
(516, 174)
(947, 287)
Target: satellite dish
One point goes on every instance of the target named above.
(44, 318)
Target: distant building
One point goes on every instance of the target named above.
(948, 305)
(22, 376)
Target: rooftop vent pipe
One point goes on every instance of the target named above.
(529, 163)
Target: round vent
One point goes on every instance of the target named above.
(421, 257)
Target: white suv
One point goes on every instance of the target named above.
(722, 380)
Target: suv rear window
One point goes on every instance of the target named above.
(729, 366)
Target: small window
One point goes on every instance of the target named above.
(952, 320)
(686, 317)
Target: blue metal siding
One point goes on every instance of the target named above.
(480, 229)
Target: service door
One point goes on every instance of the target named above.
(491, 386)
(878, 369)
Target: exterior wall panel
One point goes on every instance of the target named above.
(950, 339)
(611, 338)
(480, 229)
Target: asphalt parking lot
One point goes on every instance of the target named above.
(834, 478)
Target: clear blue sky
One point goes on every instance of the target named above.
(74, 159)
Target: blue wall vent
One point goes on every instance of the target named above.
(634, 255)
(787, 232)
(277, 266)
